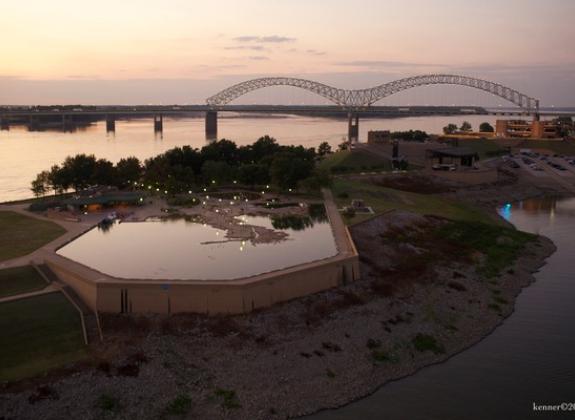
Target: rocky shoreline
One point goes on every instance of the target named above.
(293, 359)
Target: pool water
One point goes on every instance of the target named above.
(182, 249)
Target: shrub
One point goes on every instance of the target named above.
(229, 399)
(179, 406)
(107, 402)
(426, 342)
(383, 356)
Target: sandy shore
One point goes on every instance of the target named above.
(293, 359)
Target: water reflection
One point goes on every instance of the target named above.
(316, 214)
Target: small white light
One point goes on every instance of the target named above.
(189, 192)
(205, 189)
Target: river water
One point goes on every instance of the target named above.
(23, 153)
(530, 358)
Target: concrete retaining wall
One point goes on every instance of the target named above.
(104, 293)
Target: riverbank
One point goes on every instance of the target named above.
(314, 353)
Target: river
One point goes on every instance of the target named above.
(23, 153)
(528, 359)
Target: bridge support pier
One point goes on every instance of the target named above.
(33, 123)
(110, 124)
(211, 125)
(66, 121)
(4, 123)
(158, 123)
(352, 128)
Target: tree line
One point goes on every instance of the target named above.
(466, 127)
(176, 170)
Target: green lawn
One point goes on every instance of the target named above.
(38, 334)
(382, 199)
(22, 234)
(356, 160)
(14, 281)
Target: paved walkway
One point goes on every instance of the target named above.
(48, 289)
(342, 239)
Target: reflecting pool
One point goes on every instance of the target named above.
(181, 248)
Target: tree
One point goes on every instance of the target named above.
(324, 149)
(485, 127)
(104, 173)
(41, 185)
(219, 171)
(80, 169)
(222, 150)
(253, 174)
(264, 146)
(320, 178)
(450, 129)
(128, 170)
(465, 126)
(60, 179)
(287, 170)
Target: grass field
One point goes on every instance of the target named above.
(355, 161)
(38, 334)
(382, 199)
(14, 281)
(22, 234)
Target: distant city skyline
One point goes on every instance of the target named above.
(137, 52)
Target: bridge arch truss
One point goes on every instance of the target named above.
(353, 99)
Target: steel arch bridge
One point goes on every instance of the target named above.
(353, 99)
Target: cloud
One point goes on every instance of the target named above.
(83, 76)
(384, 64)
(275, 39)
(258, 57)
(246, 47)
(315, 52)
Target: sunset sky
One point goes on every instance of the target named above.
(176, 51)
